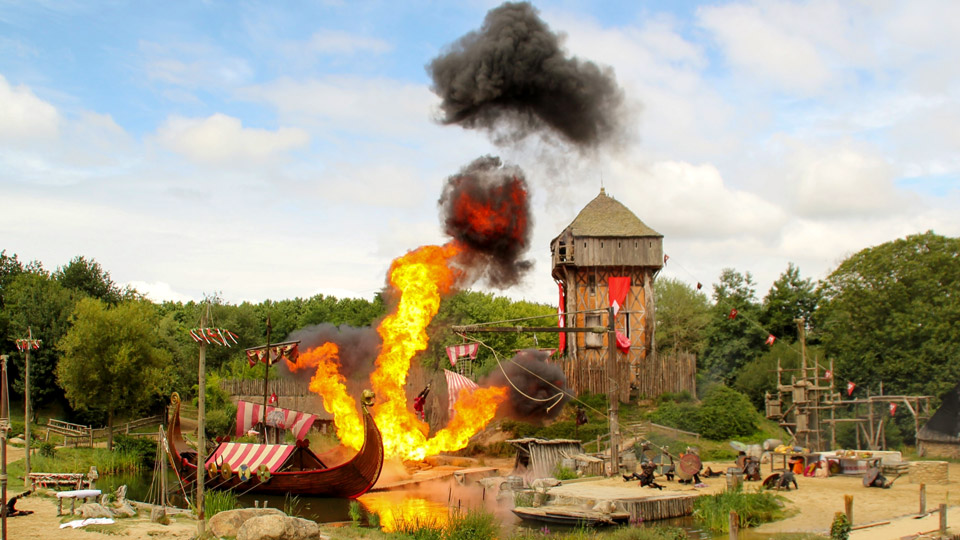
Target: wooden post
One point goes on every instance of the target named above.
(848, 507)
(613, 393)
(266, 378)
(5, 420)
(201, 434)
(923, 499)
(26, 408)
(943, 519)
(734, 525)
(163, 472)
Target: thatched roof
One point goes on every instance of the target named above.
(605, 216)
(944, 425)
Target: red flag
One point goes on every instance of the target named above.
(623, 343)
(272, 399)
(699, 285)
(850, 387)
(771, 339)
(560, 321)
(733, 314)
(828, 374)
(893, 409)
(665, 258)
(617, 288)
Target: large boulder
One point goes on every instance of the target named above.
(94, 510)
(228, 522)
(278, 528)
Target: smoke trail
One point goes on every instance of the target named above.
(358, 347)
(485, 208)
(512, 79)
(533, 376)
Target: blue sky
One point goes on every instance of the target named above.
(272, 150)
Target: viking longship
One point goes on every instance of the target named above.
(279, 468)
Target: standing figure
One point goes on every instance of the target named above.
(419, 401)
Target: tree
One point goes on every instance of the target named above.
(10, 268)
(89, 278)
(890, 314)
(110, 360)
(731, 342)
(682, 316)
(34, 301)
(789, 298)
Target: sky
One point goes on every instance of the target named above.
(272, 150)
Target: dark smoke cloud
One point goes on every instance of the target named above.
(511, 78)
(530, 372)
(358, 347)
(485, 207)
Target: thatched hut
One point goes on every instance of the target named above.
(940, 436)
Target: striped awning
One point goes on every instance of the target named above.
(252, 455)
(250, 414)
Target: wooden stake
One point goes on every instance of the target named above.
(201, 435)
(613, 392)
(943, 519)
(923, 499)
(734, 525)
(848, 507)
(26, 410)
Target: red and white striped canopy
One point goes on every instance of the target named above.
(455, 383)
(455, 352)
(249, 414)
(252, 455)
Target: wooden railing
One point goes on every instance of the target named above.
(251, 387)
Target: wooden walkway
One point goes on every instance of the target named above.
(645, 504)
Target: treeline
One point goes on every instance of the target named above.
(107, 350)
(886, 314)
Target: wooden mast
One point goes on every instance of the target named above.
(201, 435)
(266, 381)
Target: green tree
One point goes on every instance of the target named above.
(36, 302)
(682, 316)
(89, 278)
(890, 314)
(110, 359)
(10, 268)
(732, 342)
(789, 298)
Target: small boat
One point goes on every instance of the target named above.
(571, 516)
(279, 468)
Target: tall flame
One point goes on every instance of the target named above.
(329, 383)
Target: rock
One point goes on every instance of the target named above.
(157, 515)
(280, 527)
(94, 510)
(227, 523)
(544, 483)
(120, 495)
(607, 507)
(17, 440)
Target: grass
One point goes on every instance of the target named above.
(753, 508)
(216, 501)
(79, 460)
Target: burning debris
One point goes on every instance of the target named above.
(539, 388)
(357, 346)
(512, 79)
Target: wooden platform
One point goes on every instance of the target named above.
(460, 474)
(571, 515)
(645, 504)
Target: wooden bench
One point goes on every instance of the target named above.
(83, 494)
(56, 480)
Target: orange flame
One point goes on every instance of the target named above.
(329, 383)
(473, 410)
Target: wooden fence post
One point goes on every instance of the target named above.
(848, 507)
(923, 499)
(943, 519)
(734, 526)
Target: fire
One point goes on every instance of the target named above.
(473, 410)
(495, 215)
(329, 383)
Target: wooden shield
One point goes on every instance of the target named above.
(689, 466)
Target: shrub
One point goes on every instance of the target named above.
(726, 413)
(840, 528)
(48, 449)
(685, 416)
(418, 527)
(753, 508)
(142, 449)
(355, 512)
(563, 473)
(472, 525)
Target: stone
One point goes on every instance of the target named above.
(123, 509)
(120, 495)
(158, 515)
(228, 522)
(94, 510)
(17, 440)
(280, 527)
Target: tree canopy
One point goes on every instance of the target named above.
(683, 314)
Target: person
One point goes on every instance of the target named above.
(419, 401)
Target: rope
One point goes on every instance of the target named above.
(558, 397)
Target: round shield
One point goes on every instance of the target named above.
(212, 469)
(771, 481)
(244, 473)
(275, 418)
(738, 446)
(226, 471)
(263, 474)
(689, 466)
(870, 476)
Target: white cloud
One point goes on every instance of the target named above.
(194, 65)
(158, 291)
(24, 116)
(222, 139)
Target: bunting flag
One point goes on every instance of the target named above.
(733, 314)
(456, 383)
(850, 386)
(272, 399)
(617, 288)
(665, 259)
(215, 336)
(24, 344)
(828, 374)
(623, 343)
(285, 351)
(456, 352)
(548, 351)
(560, 321)
(893, 409)
(699, 285)
(771, 339)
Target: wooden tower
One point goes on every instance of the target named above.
(607, 240)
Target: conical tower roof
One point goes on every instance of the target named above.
(606, 216)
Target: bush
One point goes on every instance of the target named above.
(726, 413)
(685, 416)
(840, 528)
(472, 525)
(753, 509)
(683, 396)
(219, 422)
(216, 501)
(140, 448)
(564, 473)
(48, 449)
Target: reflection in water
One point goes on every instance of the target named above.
(399, 508)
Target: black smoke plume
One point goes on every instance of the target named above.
(358, 347)
(530, 374)
(511, 78)
(485, 207)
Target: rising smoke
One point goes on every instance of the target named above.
(512, 79)
(485, 208)
(537, 389)
(358, 347)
